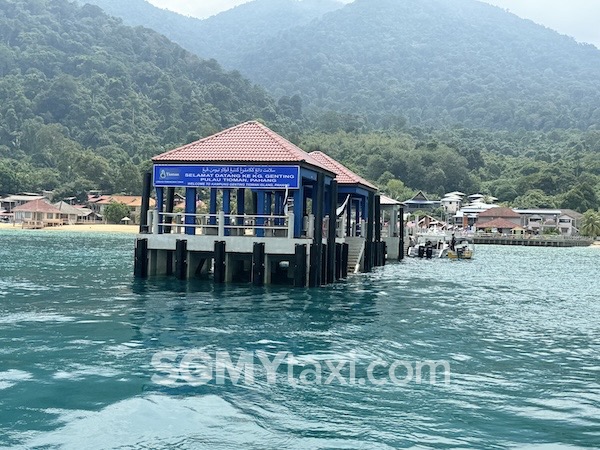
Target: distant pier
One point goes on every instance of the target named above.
(534, 241)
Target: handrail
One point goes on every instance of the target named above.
(221, 224)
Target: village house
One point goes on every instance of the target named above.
(37, 214)
(134, 202)
(8, 203)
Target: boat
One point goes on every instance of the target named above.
(462, 248)
(429, 246)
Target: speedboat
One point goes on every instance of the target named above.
(429, 246)
(462, 248)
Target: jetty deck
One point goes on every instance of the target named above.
(534, 241)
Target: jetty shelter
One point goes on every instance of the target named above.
(356, 197)
(273, 212)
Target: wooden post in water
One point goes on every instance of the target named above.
(258, 264)
(219, 269)
(338, 261)
(147, 187)
(300, 266)
(181, 259)
(345, 252)
(140, 266)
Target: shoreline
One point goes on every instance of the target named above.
(81, 228)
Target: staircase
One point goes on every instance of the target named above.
(356, 250)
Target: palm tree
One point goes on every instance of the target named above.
(591, 223)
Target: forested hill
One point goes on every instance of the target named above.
(431, 62)
(226, 37)
(86, 99)
(435, 62)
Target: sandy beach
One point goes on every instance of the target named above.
(83, 228)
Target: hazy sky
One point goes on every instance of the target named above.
(577, 18)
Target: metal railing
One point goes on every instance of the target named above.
(222, 224)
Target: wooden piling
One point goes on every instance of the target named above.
(145, 207)
(300, 266)
(140, 266)
(181, 259)
(258, 264)
(219, 268)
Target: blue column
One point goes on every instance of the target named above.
(227, 208)
(298, 211)
(212, 207)
(260, 210)
(160, 195)
(190, 208)
(357, 217)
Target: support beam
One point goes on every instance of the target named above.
(315, 269)
(331, 235)
(338, 261)
(169, 206)
(219, 268)
(377, 218)
(212, 207)
(146, 189)
(260, 211)
(298, 211)
(159, 207)
(258, 264)
(190, 208)
(370, 216)
(345, 256)
(181, 259)
(401, 234)
(140, 266)
(300, 266)
(227, 209)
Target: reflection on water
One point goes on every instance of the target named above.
(78, 333)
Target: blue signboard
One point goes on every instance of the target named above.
(230, 176)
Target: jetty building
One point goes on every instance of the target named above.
(276, 214)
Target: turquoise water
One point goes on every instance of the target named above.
(519, 328)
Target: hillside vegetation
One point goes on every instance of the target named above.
(86, 100)
(415, 62)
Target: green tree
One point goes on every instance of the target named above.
(115, 211)
(591, 223)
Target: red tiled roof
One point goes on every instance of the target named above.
(133, 201)
(40, 205)
(343, 175)
(249, 142)
(498, 223)
(499, 212)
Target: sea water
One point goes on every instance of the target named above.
(92, 358)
